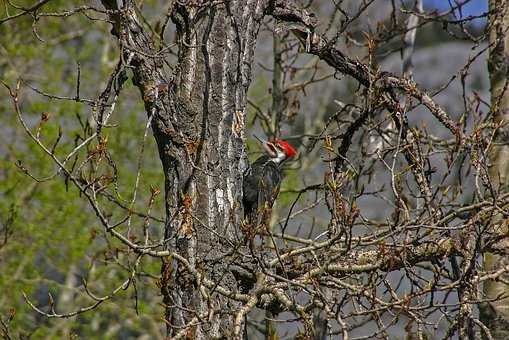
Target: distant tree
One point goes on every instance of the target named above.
(495, 311)
(382, 222)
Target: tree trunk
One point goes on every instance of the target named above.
(197, 115)
(496, 314)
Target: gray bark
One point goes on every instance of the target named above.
(495, 314)
(197, 118)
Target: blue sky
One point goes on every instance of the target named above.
(471, 8)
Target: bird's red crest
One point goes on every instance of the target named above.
(289, 150)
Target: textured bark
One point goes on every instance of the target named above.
(198, 122)
(496, 314)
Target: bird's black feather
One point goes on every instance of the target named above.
(261, 187)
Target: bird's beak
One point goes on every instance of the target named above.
(260, 140)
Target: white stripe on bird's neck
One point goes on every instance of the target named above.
(280, 157)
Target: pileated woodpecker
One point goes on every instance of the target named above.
(262, 180)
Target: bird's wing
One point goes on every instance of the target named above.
(269, 185)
